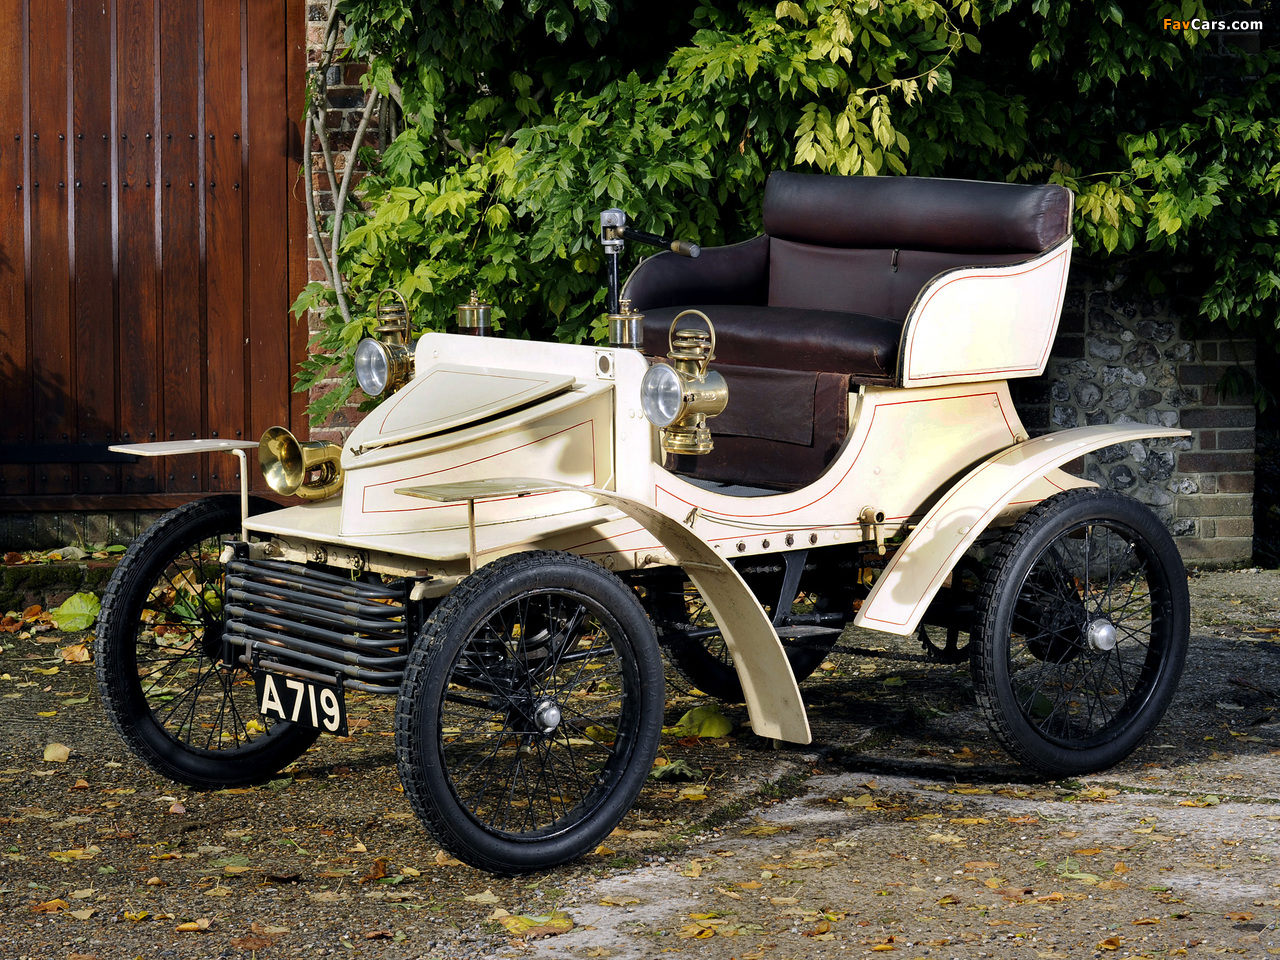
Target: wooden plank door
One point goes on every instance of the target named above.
(152, 237)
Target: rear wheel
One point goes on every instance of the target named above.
(530, 712)
(697, 649)
(1081, 632)
(184, 711)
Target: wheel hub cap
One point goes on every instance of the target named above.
(1102, 635)
(547, 716)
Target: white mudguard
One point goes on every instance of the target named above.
(769, 686)
(913, 577)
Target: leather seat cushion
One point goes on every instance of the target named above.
(791, 338)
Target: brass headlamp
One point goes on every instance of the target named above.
(681, 397)
(384, 361)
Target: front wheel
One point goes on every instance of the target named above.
(184, 711)
(530, 712)
(1081, 632)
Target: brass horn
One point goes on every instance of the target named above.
(287, 461)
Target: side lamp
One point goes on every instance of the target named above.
(384, 361)
(680, 398)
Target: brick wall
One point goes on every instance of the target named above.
(345, 102)
(1122, 357)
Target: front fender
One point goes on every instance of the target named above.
(768, 685)
(910, 581)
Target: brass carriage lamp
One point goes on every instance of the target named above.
(681, 397)
(384, 361)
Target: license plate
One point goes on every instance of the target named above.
(304, 702)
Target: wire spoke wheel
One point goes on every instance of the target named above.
(1083, 625)
(187, 713)
(697, 649)
(531, 712)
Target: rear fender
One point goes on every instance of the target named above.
(913, 577)
(768, 685)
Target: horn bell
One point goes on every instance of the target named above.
(286, 463)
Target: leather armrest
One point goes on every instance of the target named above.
(735, 274)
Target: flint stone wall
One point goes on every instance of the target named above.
(1122, 357)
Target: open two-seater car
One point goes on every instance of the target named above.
(784, 436)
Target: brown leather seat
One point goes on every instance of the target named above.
(825, 290)
(791, 338)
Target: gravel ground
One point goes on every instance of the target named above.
(902, 829)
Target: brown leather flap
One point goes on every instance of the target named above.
(778, 432)
(770, 404)
(919, 213)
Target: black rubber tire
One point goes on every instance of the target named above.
(706, 663)
(496, 787)
(175, 704)
(1081, 632)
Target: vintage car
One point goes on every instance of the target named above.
(784, 436)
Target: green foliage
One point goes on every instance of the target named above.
(525, 118)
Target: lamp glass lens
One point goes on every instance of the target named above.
(372, 367)
(661, 395)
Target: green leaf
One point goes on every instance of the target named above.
(77, 612)
(676, 770)
(705, 721)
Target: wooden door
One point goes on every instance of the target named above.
(152, 237)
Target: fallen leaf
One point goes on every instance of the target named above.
(194, 926)
(78, 612)
(444, 860)
(675, 770)
(74, 653)
(1111, 943)
(81, 784)
(535, 928)
(487, 897)
(763, 830)
(944, 838)
(56, 753)
(177, 808)
(379, 935)
(618, 901)
(377, 871)
(1238, 917)
(706, 721)
(1144, 921)
(50, 906)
